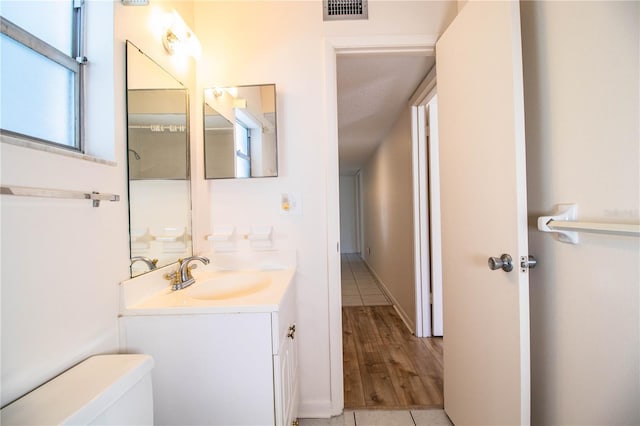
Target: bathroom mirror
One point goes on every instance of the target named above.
(158, 164)
(240, 137)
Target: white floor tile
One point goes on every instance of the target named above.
(374, 299)
(351, 301)
(430, 418)
(364, 277)
(357, 280)
(370, 290)
(350, 291)
(346, 419)
(383, 418)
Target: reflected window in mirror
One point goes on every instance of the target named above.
(240, 132)
(157, 134)
(158, 164)
(243, 150)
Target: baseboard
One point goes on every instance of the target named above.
(321, 409)
(411, 326)
(408, 322)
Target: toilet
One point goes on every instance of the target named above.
(102, 390)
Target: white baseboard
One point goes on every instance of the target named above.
(408, 322)
(321, 409)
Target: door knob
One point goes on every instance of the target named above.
(504, 262)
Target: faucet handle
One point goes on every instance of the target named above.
(174, 277)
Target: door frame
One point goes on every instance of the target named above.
(421, 234)
(422, 205)
(358, 196)
(426, 188)
(334, 46)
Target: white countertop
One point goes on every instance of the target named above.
(157, 298)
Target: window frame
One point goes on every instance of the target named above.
(246, 142)
(74, 63)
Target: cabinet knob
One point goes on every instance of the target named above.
(292, 332)
(295, 423)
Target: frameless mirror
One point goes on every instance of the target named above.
(158, 164)
(240, 137)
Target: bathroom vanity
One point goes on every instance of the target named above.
(224, 348)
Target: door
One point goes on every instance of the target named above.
(483, 196)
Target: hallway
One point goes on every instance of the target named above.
(385, 366)
(359, 286)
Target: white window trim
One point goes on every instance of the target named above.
(72, 63)
(24, 142)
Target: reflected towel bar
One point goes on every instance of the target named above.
(566, 226)
(25, 191)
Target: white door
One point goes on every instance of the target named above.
(483, 196)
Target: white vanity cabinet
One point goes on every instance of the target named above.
(220, 368)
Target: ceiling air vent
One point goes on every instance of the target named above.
(345, 9)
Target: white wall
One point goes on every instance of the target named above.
(387, 216)
(582, 117)
(62, 260)
(284, 43)
(348, 215)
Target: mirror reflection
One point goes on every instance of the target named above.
(158, 164)
(240, 137)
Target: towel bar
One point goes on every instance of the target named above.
(564, 223)
(25, 191)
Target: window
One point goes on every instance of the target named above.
(243, 150)
(41, 79)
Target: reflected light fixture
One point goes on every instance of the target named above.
(178, 38)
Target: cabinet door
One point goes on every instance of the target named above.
(285, 367)
(208, 368)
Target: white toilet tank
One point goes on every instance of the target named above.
(102, 390)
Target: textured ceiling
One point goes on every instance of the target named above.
(372, 91)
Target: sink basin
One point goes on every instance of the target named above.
(232, 286)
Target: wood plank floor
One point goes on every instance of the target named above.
(385, 366)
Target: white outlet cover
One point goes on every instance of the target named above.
(295, 204)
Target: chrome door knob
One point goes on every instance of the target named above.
(504, 262)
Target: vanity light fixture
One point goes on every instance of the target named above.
(178, 38)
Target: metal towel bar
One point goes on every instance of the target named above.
(25, 191)
(565, 225)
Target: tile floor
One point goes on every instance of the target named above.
(359, 286)
(383, 418)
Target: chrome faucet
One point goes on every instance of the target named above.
(182, 278)
(152, 264)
